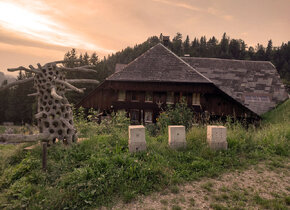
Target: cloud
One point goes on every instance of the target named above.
(34, 25)
(178, 4)
(210, 10)
(14, 39)
(219, 13)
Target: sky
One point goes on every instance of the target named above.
(41, 31)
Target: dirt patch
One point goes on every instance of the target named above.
(261, 186)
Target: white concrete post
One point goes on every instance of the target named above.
(137, 140)
(217, 137)
(176, 136)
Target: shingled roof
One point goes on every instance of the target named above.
(255, 84)
(159, 64)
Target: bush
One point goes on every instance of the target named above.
(179, 114)
(117, 124)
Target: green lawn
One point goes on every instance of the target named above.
(100, 171)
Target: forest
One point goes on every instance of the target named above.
(17, 107)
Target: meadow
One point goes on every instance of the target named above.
(99, 171)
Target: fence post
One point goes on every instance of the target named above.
(44, 155)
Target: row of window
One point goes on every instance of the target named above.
(134, 115)
(149, 97)
(254, 98)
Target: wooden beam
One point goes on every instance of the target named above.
(83, 81)
(21, 68)
(20, 138)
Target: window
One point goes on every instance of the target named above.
(134, 115)
(170, 98)
(148, 116)
(255, 98)
(264, 98)
(134, 96)
(121, 95)
(148, 97)
(195, 99)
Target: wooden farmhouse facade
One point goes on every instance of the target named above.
(215, 87)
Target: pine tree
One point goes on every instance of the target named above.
(234, 49)
(260, 54)
(194, 49)
(94, 59)
(203, 47)
(224, 46)
(251, 53)
(186, 45)
(177, 44)
(269, 50)
(243, 48)
(212, 47)
(70, 58)
(86, 59)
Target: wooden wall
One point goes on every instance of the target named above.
(212, 100)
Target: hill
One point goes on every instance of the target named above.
(6, 77)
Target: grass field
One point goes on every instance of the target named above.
(100, 171)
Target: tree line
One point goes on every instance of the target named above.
(17, 107)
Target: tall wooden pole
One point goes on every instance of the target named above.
(44, 155)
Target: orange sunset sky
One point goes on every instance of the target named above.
(33, 31)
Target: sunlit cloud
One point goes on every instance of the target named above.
(210, 10)
(34, 25)
(219, 13)
(178, 4)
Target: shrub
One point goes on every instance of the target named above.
(179, 114)
(117, 124)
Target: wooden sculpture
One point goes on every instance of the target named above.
(54, 117)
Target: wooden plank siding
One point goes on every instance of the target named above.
(212, 100)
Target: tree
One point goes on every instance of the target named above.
(70, 58)
(260, 54)
(251, 53)
(202, 46)
(94, 59)
(194, 49)
(224, 46)
(212, 47)
(234, 49)
(86, 59)
(177, 44)
(186, 45)
(269, 50)
(243, 48)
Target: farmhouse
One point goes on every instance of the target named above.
(210, 86)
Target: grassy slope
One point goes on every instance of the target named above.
(100, 170)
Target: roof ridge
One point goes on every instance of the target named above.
(179, 58)
(133, 61)
(225, 59)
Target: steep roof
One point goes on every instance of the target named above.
(255, 84)
(159, 64)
